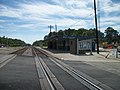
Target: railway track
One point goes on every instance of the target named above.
(20, 73)
(7, 58)
(53, 74)
(47, 79)
(91, 84)
(20, 51)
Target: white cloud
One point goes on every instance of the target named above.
(2, 30)
(108, 6)
(36, 16)
(42, 10)
(9, 12)
(2, 21)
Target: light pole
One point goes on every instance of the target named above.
(50, 28)
(56, 27)
(96, 27)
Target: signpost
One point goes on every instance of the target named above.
(84, 45)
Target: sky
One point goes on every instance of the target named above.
(28, 20)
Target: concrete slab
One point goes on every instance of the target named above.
(7, 50)
(66, 80)
(19, 74)
(105, 70)
(98, 60)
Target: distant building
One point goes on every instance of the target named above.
(58, 43)
(73, 44)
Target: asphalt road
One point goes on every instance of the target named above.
(19, 74)
(110, 79)
(67, 81)
(1, 55)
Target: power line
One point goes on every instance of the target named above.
(78, 21)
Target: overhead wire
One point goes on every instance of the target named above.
(84, 17)
(78, 21)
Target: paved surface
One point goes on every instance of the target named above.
(96, 66)
(108, 64)
(8, 50)
(1, 55)
(103, 76)
(4, 57)
(67, 81)
(19, 74)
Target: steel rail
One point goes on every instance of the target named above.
(45, 70)
(45, 73)
(71, 71)
(48, 78)
(4, 61)
(20, 51)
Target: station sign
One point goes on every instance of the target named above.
(84, 45)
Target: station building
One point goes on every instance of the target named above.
(72, 44)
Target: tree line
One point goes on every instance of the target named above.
(5, 41)
(38, 43)
(74, 32)
(109, 36)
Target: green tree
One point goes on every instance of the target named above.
(38, 43)
(61, 33)
(69, 32)
(111, 35)
(11, 42)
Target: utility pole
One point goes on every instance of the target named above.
(55, 27)
(96, 27)
(50, 28)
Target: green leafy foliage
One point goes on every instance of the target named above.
(112, 35)
(38, 43)
(74, 32)
(11, 42)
